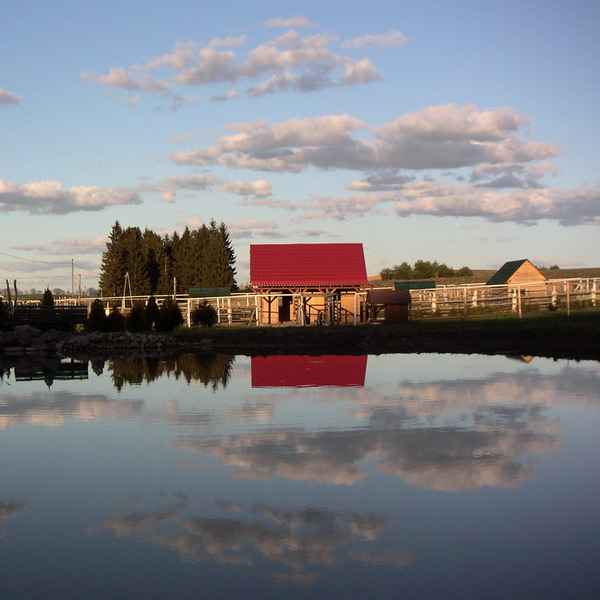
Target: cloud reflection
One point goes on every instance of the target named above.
(262, 534)
(52, 409)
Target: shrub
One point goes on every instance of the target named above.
(3, 312)
(47, 298)
(97, 317)
(151, 312)
(115, 321)
(169, 316)
(204, 315)
(134, 321)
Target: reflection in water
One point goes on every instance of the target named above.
(446, 459)
(212, 370)
(244, 535)
(48, 410)
(9, 509)
(43, 368)
(308, 371)
(417, 476)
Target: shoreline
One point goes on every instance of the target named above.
(576, 337)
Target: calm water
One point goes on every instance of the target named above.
(398, 476)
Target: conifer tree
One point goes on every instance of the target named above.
(112, 270)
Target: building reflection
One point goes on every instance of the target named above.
(308, 371)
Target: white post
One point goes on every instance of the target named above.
(519, 301)
(189, 318)
(568, 285)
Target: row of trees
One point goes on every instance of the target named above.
(423, 269)
(202, 257)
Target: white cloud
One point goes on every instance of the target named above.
(522, 206)
(49, 197)
(118, 77)
(260, 187)
(362, 71)
(385, 40)
(171, 185)
(290, 61)
(568, 207)
(229, 95)
(254, 228)
(67, 246)
(439, 137)
(7, 98)
(291, 22)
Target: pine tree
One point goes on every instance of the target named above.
(112, 270)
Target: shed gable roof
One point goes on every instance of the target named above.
(307, 265)
(507, 270)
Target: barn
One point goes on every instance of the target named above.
(516, 272)
(309, 283)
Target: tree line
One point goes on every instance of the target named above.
(144, 263)
(423, 269)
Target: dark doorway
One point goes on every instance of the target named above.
(284, 308)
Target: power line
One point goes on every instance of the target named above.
(48, 262)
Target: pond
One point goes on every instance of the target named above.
(390, 476)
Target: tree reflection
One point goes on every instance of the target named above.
(212, 370)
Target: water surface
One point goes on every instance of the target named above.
(394, 476)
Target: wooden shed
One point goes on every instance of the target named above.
(516, 272)
(395, 304)
(308, 283)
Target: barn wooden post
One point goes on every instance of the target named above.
(519, 301)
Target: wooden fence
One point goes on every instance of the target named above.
(465, 300)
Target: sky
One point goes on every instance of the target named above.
(465, 132)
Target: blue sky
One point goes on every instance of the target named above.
(465, 132)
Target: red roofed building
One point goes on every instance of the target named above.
(309, 283)
(308, 371)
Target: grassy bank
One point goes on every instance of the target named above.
(545, 334)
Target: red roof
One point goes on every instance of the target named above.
(308, 371)
(307, 265)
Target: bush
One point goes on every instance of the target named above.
(151, 313)
(204, 315)
(134, 321)
(115, 321)
(47, 298)
(97, 317)
(3, 312)
(169, 316)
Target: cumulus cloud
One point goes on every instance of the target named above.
(437, 137)
(385, 40)
(289, 61)
(49, 197)
(254, 228)
(580, 206)
(568, 207)
(260, 187)
(7, 98)
(171, 185)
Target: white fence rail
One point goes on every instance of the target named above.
(466, 300)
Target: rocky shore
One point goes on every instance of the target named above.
(576, 337)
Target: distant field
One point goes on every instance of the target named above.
(482, 275)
